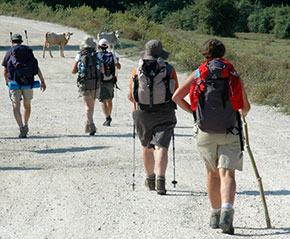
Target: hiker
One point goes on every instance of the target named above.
(152, 84)
(14, 73)
(109, 80)
(218, 98)
(88, 67)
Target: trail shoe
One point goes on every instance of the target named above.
(23, 131)
(214, 220)
(226, 221)
(108, 121)
(161, 185)
(92, 129)
(87, 128)
(150, 182)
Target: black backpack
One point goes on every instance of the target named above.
(89, 69)
(22, 66)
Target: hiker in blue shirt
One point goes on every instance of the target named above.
(17, 95)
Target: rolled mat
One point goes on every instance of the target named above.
(14, 86)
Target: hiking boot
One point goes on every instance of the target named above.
(214, 220)
(226, 221)
(23, 131)
(92, 129)
(150, 182)
(161, 185)
(87, 128)
(108, 121)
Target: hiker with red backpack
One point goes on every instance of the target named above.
(88, 66)
(152, 84)
(217, 99)
(109, 80)
(20, 67)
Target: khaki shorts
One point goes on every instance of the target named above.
(155, 128)
(84, 92)
(16, 95)
(219, 150)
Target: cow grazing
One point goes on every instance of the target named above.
(111, 37)
(56, 39)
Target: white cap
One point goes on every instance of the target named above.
(103, 43)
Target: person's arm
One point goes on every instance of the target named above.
(182, 92)
(246, 104)
(5, 72)
(130, 95)
(42, 82)
(75, 68)
(117, 62)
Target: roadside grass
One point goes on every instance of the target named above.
(262, 60)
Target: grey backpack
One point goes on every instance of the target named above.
(152, 85)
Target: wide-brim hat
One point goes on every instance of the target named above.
(88, 42)
(153, 50)
(16, 37)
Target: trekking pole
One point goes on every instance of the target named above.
(26, 37)
(259, 179)
(133, 184)
(116, 94)
(174, 182)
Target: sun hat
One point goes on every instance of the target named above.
(16, 37)
(153, 50)
(88, 42)
(103, 43)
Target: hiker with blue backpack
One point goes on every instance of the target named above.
(109, 80)
(88, 66)
(152, 84)
(217, 102)
(20, 67)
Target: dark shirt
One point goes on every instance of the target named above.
(6, 58)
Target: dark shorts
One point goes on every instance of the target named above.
(107, 91)
(155, 128)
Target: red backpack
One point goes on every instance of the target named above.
(216, 95)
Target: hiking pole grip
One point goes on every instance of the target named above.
(259, 179)
(11, 38)
(25, 31)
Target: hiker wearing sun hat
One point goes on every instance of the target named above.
(88, 66)
(109, 80)
(152, 84)
(20, 67)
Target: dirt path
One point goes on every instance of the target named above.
(60, 183)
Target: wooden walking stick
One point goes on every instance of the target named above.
(259, 179)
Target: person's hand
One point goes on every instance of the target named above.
(243, 112)
(42, 86)
(130, 97)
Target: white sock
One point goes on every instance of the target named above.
(215, 210)
(227, 205)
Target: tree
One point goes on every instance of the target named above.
(218, 17)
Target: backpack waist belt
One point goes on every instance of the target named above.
(154, 108)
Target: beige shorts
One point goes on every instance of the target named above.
(17, 94)
(219, 150)
(84, 92)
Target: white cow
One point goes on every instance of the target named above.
(56, 39)
(111, 37)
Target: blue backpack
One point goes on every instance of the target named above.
(109, 66)
(22, 66)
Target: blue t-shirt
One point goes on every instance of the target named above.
(197, 74)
